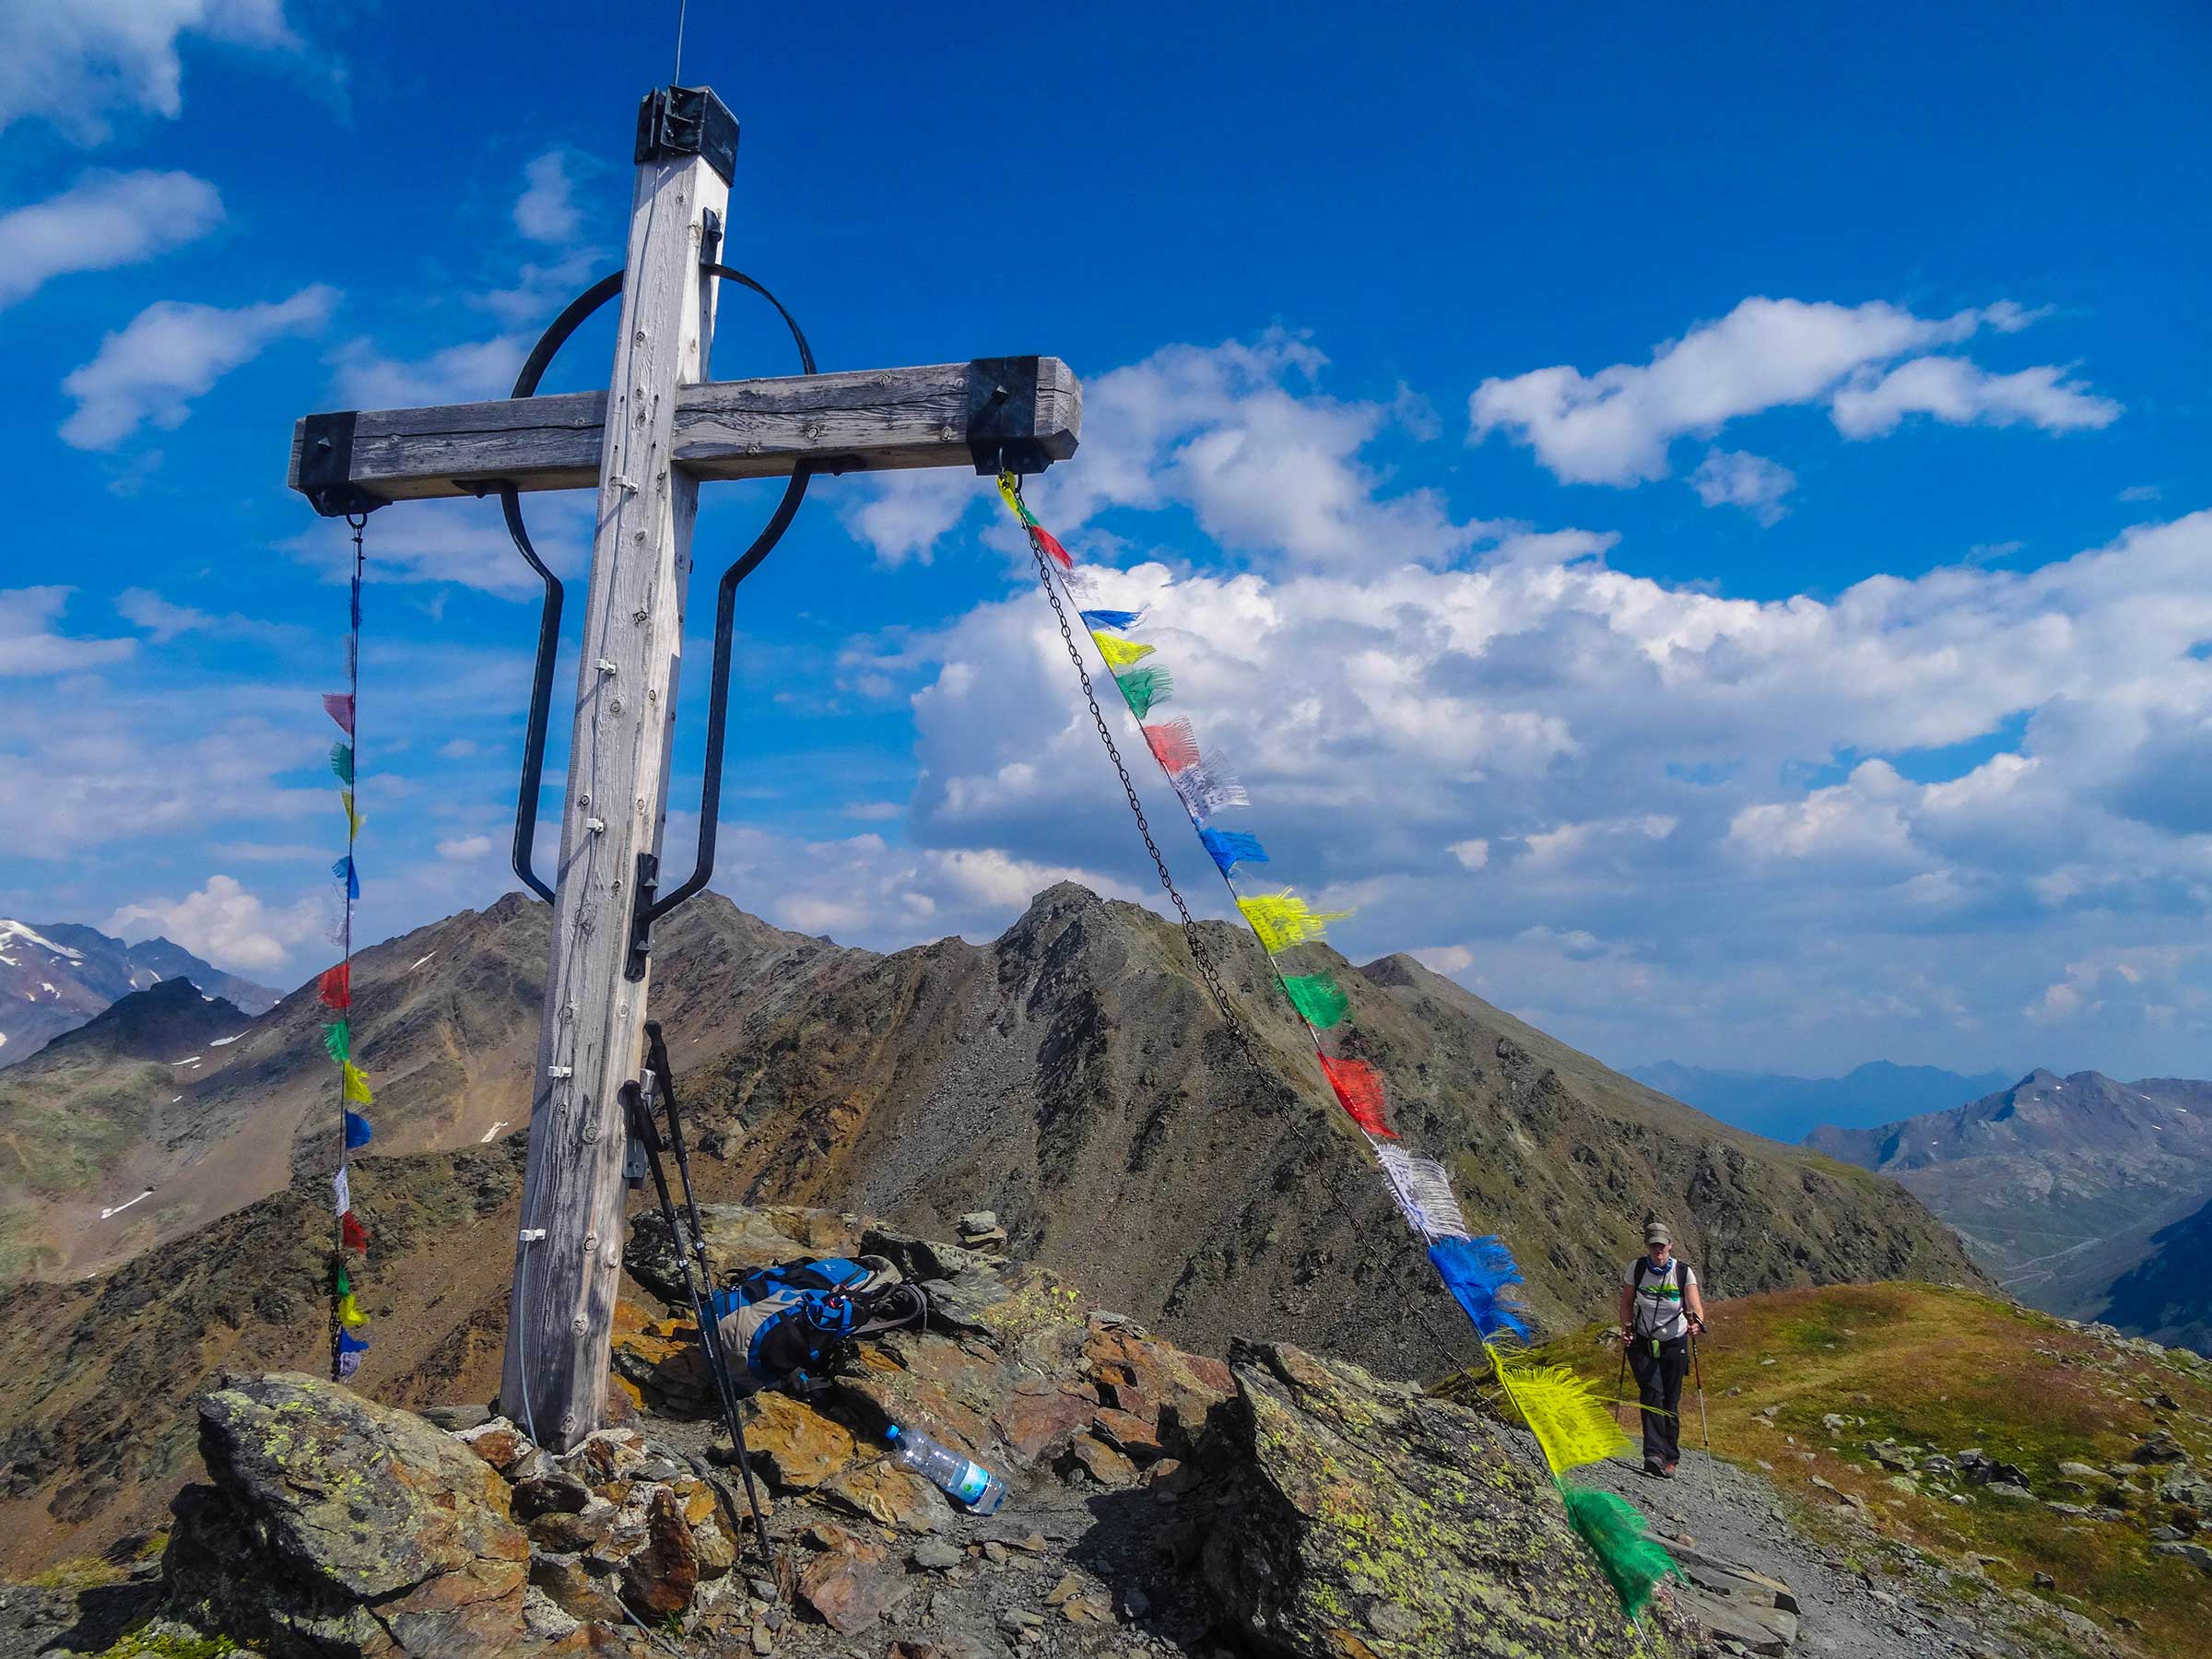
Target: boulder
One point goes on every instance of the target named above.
(1360, 1517)
(798, 1446)
(891, 1496)
(659, 1577)
(851, 1583)
(344, 1529)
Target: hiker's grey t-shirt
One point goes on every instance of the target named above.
(1659, 1310)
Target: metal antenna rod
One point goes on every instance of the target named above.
(676, 76)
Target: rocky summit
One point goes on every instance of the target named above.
(1160, 1502)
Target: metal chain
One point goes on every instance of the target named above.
(1199, 953)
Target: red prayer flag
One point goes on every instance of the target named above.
(1173, 745)
(1046, 541)
(336, 986)
(352, 1232)
(339, 705)
(1359, 1087)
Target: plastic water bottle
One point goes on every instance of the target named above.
(963, 1480)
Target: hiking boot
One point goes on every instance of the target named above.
(1666, 1471)
(1652, 1467)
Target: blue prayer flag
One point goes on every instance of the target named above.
(1476, 1272)
(358, 1132)
(1110, 620)
(344, 871)
(1230, 847)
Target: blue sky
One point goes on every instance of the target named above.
(1692, 524)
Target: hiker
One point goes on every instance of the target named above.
(788, 1326)
(1660, 1309)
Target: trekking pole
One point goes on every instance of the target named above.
(710, 1335)
(1698, 1370)
(1620, 1383)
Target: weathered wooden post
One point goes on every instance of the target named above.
(615, 804)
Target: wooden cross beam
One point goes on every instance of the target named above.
(871, 419)
(645, 443)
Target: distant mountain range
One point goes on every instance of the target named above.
(2080, 1195)
(56, 975)
(1788, 1108)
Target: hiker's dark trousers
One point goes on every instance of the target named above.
(1659, 1386)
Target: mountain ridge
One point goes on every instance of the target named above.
(2058, 1185)
(56, 975)
(1787, 1108)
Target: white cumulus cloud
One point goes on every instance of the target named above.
(104, 220)
(1614, 427)
(79, 62)
(223, 922)
(547, 211)
(1955, 392)
(173, 352)
(1733, 478)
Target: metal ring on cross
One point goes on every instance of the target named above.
(548, 623)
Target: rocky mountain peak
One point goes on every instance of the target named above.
(167, 1022)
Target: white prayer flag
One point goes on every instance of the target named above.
(344, 1191)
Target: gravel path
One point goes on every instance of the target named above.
(1905, 1608)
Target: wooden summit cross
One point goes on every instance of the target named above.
(646, 442)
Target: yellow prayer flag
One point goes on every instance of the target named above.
(1120, 654)
(1005, 490)
(1283, 920)
(353, 818)
(357, 1085)
(1569, 1422)
(349, 1313)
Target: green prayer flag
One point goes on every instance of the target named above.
(337, 1040)
(1143, 688)
(341, 762)
(1317, 998)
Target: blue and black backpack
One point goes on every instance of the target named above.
(787, 1325)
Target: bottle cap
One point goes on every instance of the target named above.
(892, 1433)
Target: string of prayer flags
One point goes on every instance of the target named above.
(1230, 848)
(335, 991)
(1319, 999)
(1570, 1424)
